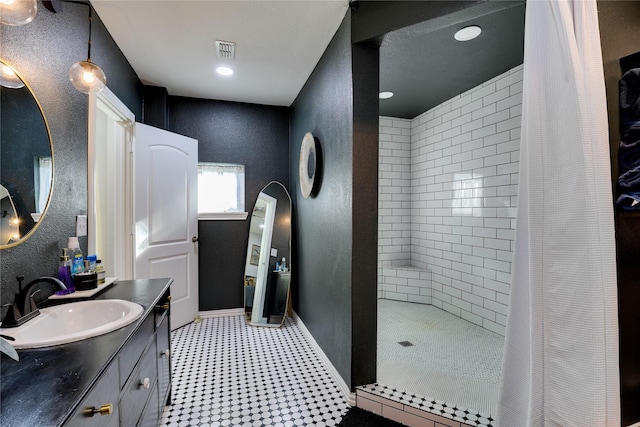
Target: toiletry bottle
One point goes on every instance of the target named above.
(77, 261)
(64, 274)
(283, 266)
(92, 263)
(100, 272)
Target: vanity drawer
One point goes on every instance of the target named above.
(164, 362)
(137, 390)
(104, 392)
(132, 351)
(152, 412)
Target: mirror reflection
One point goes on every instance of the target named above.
(267, 274)
(26, 159)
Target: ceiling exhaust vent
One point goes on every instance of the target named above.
(226, 50)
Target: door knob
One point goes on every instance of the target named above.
(194, 239)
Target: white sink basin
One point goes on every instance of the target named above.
(74, 321)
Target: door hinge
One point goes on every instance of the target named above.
(128, 128)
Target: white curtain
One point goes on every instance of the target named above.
(561, 347)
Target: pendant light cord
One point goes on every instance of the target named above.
(89, 43)
(90, 21)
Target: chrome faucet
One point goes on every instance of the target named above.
(25, 307)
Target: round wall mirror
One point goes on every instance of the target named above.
(267, 274)
(307, 166)
(26, 159)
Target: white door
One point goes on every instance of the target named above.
(165, 215)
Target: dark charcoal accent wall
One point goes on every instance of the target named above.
(620, 37)
(337, 229)
(364, 302)
(256, 136)
(155, 107)
(43, 51)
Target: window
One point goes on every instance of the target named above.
(221, 191)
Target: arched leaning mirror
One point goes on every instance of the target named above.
(267, 274)
(26, 159)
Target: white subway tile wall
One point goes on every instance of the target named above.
(448, 185)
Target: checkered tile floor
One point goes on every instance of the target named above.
(226, 373)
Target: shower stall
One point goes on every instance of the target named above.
(448, 182)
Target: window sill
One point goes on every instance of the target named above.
(223, 216)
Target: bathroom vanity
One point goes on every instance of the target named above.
(122, 378)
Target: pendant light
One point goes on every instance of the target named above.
(17, 12)
(86, 76)
(9, 78)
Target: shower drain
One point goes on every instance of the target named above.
(405, 343)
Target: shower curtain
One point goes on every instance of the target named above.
(561, 346)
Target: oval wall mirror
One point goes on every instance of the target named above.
(26, 159)
(267, 275)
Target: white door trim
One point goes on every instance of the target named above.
(108, 101)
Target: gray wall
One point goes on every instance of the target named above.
(42, 52)
(322, 270)
(335, 280)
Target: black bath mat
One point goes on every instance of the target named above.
(357, 417)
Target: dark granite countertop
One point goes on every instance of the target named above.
(44, 387)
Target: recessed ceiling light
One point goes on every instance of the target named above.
(385, 95)
(224, 71)
(468, 33)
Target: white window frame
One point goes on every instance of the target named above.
(230, 215)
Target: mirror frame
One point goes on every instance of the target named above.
(261, 289)
(48, 131)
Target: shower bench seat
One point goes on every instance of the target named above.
(406, 283)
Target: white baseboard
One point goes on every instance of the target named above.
(342, 385)
(221, 313)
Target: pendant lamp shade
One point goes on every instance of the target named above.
(87, 77)
(17, 12)
(9, 78)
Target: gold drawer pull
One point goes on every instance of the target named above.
(164, 306)
(102, 410)
(145, 383)
(165, 353)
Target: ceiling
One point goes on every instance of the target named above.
(171, 43)
(425, 66)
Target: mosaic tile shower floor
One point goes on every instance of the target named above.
(226, 373)
(450, 359)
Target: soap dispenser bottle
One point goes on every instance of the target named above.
(64, 274)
